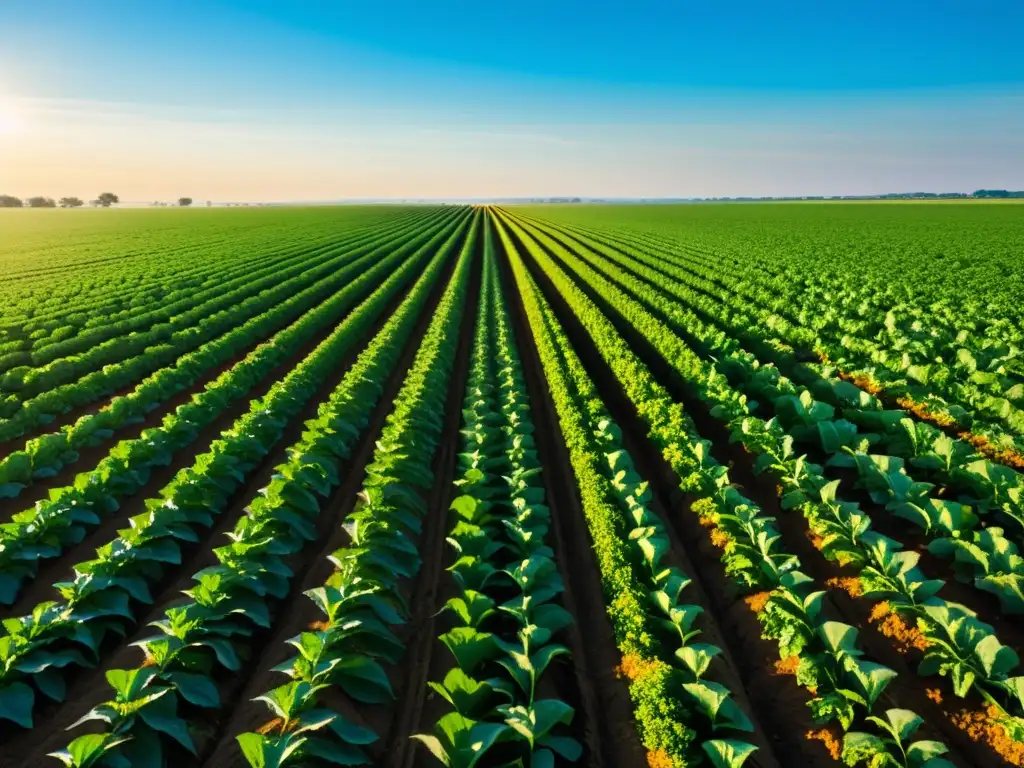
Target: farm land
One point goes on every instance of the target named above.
(607, 485)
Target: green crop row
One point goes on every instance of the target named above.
(99, 599)
(64, 384)
(989, 558)
(363, 599)
(963, 368)
(846, 686)
(44, 531)
(505, 612)
(170, 310)
(45, 455)
(680, 709)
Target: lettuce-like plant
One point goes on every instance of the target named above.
(463, 742)
(535, 723)
(894, 749)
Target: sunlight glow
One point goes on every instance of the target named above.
(10, 118)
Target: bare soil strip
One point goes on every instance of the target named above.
(746, 661)
(908, 690)
(985, 604)
(61, 568)
(90, 457)
(396, 747)
(295, 616)
(89, 688)
(611, 738)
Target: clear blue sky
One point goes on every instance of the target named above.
(321, 100)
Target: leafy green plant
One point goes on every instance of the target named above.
(362, 598)
(893, 749)
(463, 742)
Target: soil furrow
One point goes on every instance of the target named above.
(908, 690)
(420, 633)
(245, 715)
(73, 415)
(91, 456)
(746, 661)
(88, 685)
(985, 604)
(611, 736)
(61, 568)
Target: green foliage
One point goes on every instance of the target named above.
(208, 632)
(362, 598)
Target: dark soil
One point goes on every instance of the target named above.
(908, 690)
(427, 592)
(78, 412)
(60, 569)
(604, 704)
(87, 688)
(747, 661)
(240, 713)
(985, 604)
(89, 457)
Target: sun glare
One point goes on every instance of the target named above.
(9, 119)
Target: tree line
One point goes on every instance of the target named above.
(104, 200)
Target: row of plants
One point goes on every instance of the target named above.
(34, 310)
(45, 530)
(744, 321)
(956, 377)
(956, 644)
(681, 712)
(70, 359)
(68, 316)
(824, 654)
(735, 409)
(363, 600)
(47, 344)
(505, 612)
(886, 312)
(961, 530)
(105, 593)
(177, 271)
(44, 456)
(88, 325)
(98, 600)
(63, 384)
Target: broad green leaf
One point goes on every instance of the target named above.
(470, 647)
(265, 751)
(196, 689)
(363, 679)
(87, 750)
(332, 751)
(162, 715)
(16, 702)
(728, 753)
(928, 754)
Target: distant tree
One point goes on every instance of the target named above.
(998, 193)
(41, 202)
(107, 199)
(184, 202)
(9, 201)
(71, 202)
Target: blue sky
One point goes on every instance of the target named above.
(319, 100)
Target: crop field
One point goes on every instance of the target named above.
(671, 485)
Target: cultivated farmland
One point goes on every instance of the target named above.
(721, 485)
